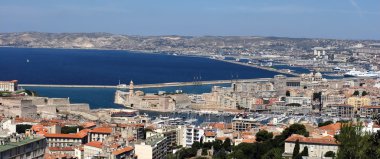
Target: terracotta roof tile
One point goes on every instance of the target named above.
(102, 130)
(88, 124)
(122, 150)
(302, 139)
(81, 134)
(331, 127)
(210, 134)
(96, 144)
(248, 140)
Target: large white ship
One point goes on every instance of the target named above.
(355, 73)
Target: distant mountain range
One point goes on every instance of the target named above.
(180, 44)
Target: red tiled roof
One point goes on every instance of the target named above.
(88, 124)
(210, 134)
(39, 128)
(81, 134)
(217, 125)
(331, 127)
(302, 139)
(248, 140)
(96, 144)
(222, 138)
(123, 150)
(101, 130)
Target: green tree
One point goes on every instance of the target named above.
(217, 145)
(248, 149)
(204, 152)
(330, 154)
(356, 93)
(305, 151)
(296, 149)
(364, 93)
(227, 145)
(263, 135)
(186, 153)
(238, 154)
(295, 129)
(274, 153)
(279, 140)
(196, 145)
(287, 93)
(350, 137)
(207, 145)
(371, 145)
(325, 123)
(221, 154)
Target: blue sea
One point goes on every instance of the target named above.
(107, 67)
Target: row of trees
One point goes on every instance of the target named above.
(356, 144)
(357, 93)
(220, 148)
(296, 151)
(353, 144)
(266, 147)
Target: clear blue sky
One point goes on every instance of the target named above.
(343, 19)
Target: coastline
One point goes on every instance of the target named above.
(152, 52)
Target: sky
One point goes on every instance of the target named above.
(341, 19)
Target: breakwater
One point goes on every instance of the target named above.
(157, 85)
(261, 67)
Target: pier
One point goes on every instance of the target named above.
(156, 85)
(261, 67)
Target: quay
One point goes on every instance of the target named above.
(157, 85)
(261, 67)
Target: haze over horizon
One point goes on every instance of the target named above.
(346, 19)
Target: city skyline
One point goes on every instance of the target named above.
(300, 19)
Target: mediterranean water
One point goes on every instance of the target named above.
(107, 67)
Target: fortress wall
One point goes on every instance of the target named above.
(58, 101)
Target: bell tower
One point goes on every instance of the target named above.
(131, 88)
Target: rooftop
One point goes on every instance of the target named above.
(302, 139)
(154, 140)
(12, 145)
(122, 150)
(102, 130)
(96, 144)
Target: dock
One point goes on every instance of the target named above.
(156, 85)
(260, 67)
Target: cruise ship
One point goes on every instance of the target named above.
(355, 73)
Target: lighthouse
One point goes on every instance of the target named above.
(131, 87)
